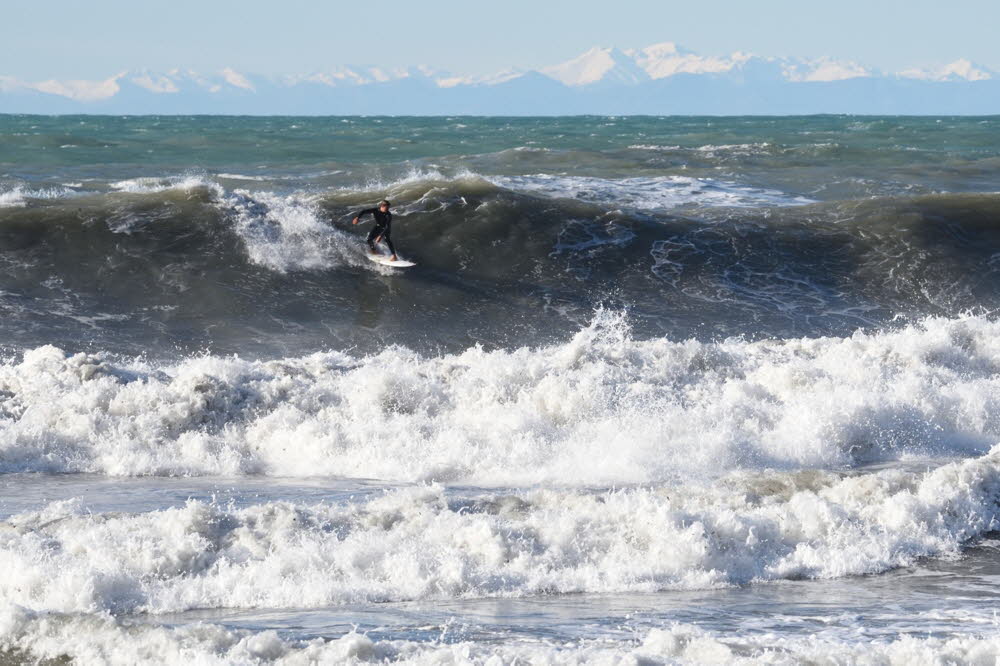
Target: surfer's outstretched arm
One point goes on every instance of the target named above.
(361, 214)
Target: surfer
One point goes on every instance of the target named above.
(382, 229)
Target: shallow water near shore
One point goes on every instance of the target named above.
(930, 601)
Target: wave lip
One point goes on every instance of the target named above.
(650, 193)
(18, 196)
(152, 185)
(778, 272)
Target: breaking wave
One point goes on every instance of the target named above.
(776, 270)
(420, 543)
(601, 408)
(100, 638)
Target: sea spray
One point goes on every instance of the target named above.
(600, 408)
(426, 543)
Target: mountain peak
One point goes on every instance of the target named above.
(824, 69)
(79, 90)
(666, 59)
(662, 49)
(597, 65)
(236, 79)
(664, 76)
(959, 70)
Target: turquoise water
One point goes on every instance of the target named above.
(50, 147)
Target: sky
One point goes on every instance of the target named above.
(93, 39)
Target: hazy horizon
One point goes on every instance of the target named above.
(65, 40)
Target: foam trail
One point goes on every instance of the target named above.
(101, 639)
(602, 408)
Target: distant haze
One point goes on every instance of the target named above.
(659, 79)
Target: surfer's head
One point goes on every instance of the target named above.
(384, 205)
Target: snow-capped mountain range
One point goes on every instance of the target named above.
(659, 79)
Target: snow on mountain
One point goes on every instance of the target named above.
(960, 70)
(236, 79)
(604, 65)
(355, 75)
(824, 69)
(8, 84)
(661, 78)
(78, 90)
(226, 80)
(487, 80)
(667, 59)
(155, 83)
(172, 82)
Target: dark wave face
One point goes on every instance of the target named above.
(167, 235)
(203, 267)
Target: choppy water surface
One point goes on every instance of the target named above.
(658, 390)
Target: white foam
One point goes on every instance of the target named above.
(281, 232)
(657, 192)
(419, 543)
(647, 146)
(680, 643)
(148, 185)
(735, 148)
(412, 176)
(18, 195)
(600, 408)
(100, 639)
(287, 232)
(237, 176)
(731, 148)
(12, 198)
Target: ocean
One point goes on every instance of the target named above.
(658, 390)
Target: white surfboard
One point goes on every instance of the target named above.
(386, 261)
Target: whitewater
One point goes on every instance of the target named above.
(659, 390)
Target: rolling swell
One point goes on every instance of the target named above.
(187, 264)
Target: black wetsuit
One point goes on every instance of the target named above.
(383, 227)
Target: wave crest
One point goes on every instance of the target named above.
(601, 408)
(419, 543)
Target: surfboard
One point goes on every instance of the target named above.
(386, 261)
